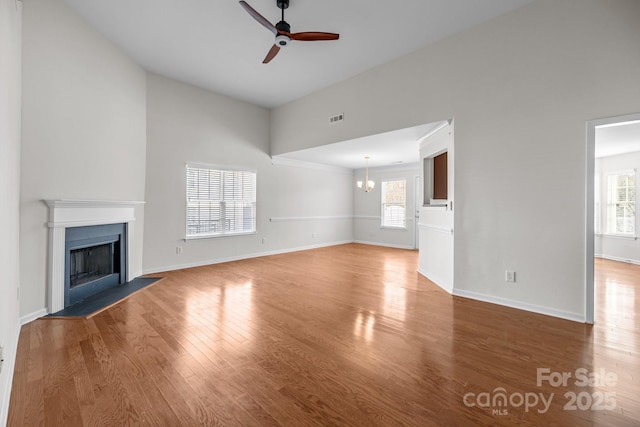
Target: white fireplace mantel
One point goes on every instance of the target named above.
(65, 213)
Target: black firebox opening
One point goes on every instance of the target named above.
(95, 260)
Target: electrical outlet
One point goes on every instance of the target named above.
(510, 276)
(264, 240)
(1, 356)
(178, 249)
(313, 235)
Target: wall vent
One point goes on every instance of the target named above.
(337, 118)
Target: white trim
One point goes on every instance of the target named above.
(589, 286)
(433, 142)
(386, 245)
(73, 203)
(441, 126)
(67, 224)
(33, 316)
(379, 218)
(576, 317)
(633, 121)
(398, 168)
(442, 207)
(309, 218)
(589, 303)
(615, 258)
(437, 229)
(331, 218)
(285, 161)
(65, 213)
(368, 217)
(9, 355)
(223, 217)
(617, 236)
(219, 167)
(631, 171)
(241, 257)
(217, 236)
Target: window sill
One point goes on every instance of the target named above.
(386, 227)
(618, 236)
(216, 236)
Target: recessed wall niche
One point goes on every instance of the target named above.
(435, 176)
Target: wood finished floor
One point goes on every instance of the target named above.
(348, 336)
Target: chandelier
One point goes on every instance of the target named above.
(367, 186)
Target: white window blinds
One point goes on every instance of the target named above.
(394, 195)
(220, 202)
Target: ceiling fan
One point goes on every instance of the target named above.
(282, 30)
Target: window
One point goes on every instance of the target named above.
(394, 195)
(220, 202)
(621, 203)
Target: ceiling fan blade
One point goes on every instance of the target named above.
(261, 19)
(313, 36)
(272, 53)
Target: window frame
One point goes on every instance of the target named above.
(383, 183)
(220, 168)
(611, 203)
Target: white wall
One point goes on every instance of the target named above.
(83, 134)
(367, 208)
(520, 89)
(187, 124)
(615, 247)
(10, 85)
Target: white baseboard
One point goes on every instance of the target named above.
(576, 317)
(386, 245)
(9, 368)
(241, 257)
(33, 316)
(614, 258)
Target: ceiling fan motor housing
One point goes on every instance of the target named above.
(282, 4)
(283, 26)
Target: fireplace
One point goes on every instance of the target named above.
(80, 232)
(95, 260)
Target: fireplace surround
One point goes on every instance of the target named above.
(66, 215)
(95, 260)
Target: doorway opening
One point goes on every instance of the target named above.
(613, 156)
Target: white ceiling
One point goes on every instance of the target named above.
(398, 147)
(216, 45)
(620, 138)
